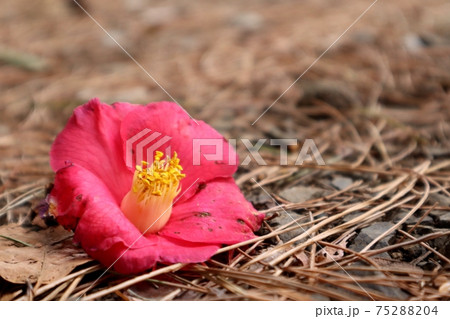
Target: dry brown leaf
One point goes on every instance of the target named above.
(303, 258)
(49, 256)
(331, 254)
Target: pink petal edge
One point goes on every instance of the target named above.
(91, 139)
(219, 214)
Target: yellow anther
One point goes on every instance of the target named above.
(158, 156)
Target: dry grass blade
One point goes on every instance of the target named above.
(56, 283)
(272, 283)
(133, 281)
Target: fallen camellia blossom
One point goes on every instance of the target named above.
(163, 209)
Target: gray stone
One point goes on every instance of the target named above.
(366, 235)
(286, 218)
(300, 194)
(410, 252)
(443, 220)
(442, 244)
(442, 200)
(412, 220)
(351, 216)
(437, 213)
(341, 182)
(262, 199)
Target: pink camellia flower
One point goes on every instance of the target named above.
(163, 209)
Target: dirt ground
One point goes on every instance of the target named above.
(373, 223)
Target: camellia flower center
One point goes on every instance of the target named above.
(148, 204)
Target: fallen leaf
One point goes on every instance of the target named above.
(303, 258)
(331, 254)
(29, 255)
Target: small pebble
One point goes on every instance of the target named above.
(300, 194)
(443, 220)
(366, 235)
(341, 182)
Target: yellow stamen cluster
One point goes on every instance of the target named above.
(161, 177)
(149, 202)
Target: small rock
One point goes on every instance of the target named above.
(425, 230)
(351, 216)
(443, 221)
(442, 200)
(412, 251)
(366, 235)
(261, 201)
(442, 244)
(300, 194)
(341, 182)
(412, 220)
(286, 218)
(437, 213)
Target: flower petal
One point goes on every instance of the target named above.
(74, 187)
(81, 195)
(106, 235)
(123, 108)
(166, 250)
(218, 213)
(170, 120)
(91, 139)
